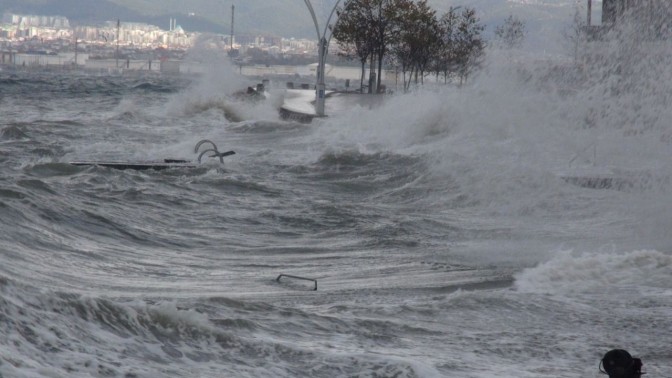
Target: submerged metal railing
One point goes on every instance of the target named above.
(298, 278)
(214, 149)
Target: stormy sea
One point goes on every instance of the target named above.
(517, 226)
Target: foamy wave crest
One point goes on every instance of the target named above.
(607, 273)
(13, 132)
(67, 335)
(219, 88)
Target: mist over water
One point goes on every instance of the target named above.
(440, 225)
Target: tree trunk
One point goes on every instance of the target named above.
(372, 76)
(381, 49)
(380, 68)
(410, 80)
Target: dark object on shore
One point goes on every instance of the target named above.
(162, 164)
(254, 94)
(141, 166)
(618, 363)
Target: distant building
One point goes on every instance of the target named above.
(57, 22)
(651, 18)
(613, 10)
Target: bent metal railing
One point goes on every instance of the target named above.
(298, 278)
(214, 149)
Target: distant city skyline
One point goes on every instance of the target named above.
(45, 33)
(17, 27)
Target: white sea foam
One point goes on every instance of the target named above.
(415, 217)
(604, 272)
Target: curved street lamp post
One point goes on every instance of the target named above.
(322, 50)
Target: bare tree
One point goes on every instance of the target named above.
(511, 34)
(470, 44)
(418, 41)
(386, 18)
(445, 62)
(378, 24)
(353, 35)
(575, 34)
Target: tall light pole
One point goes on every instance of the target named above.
(117, 52)
(322, 50)
(233, 9)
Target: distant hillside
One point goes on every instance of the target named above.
(289, 18)
(75, 10)
(81, 12)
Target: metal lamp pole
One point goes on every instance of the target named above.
(322, 50)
